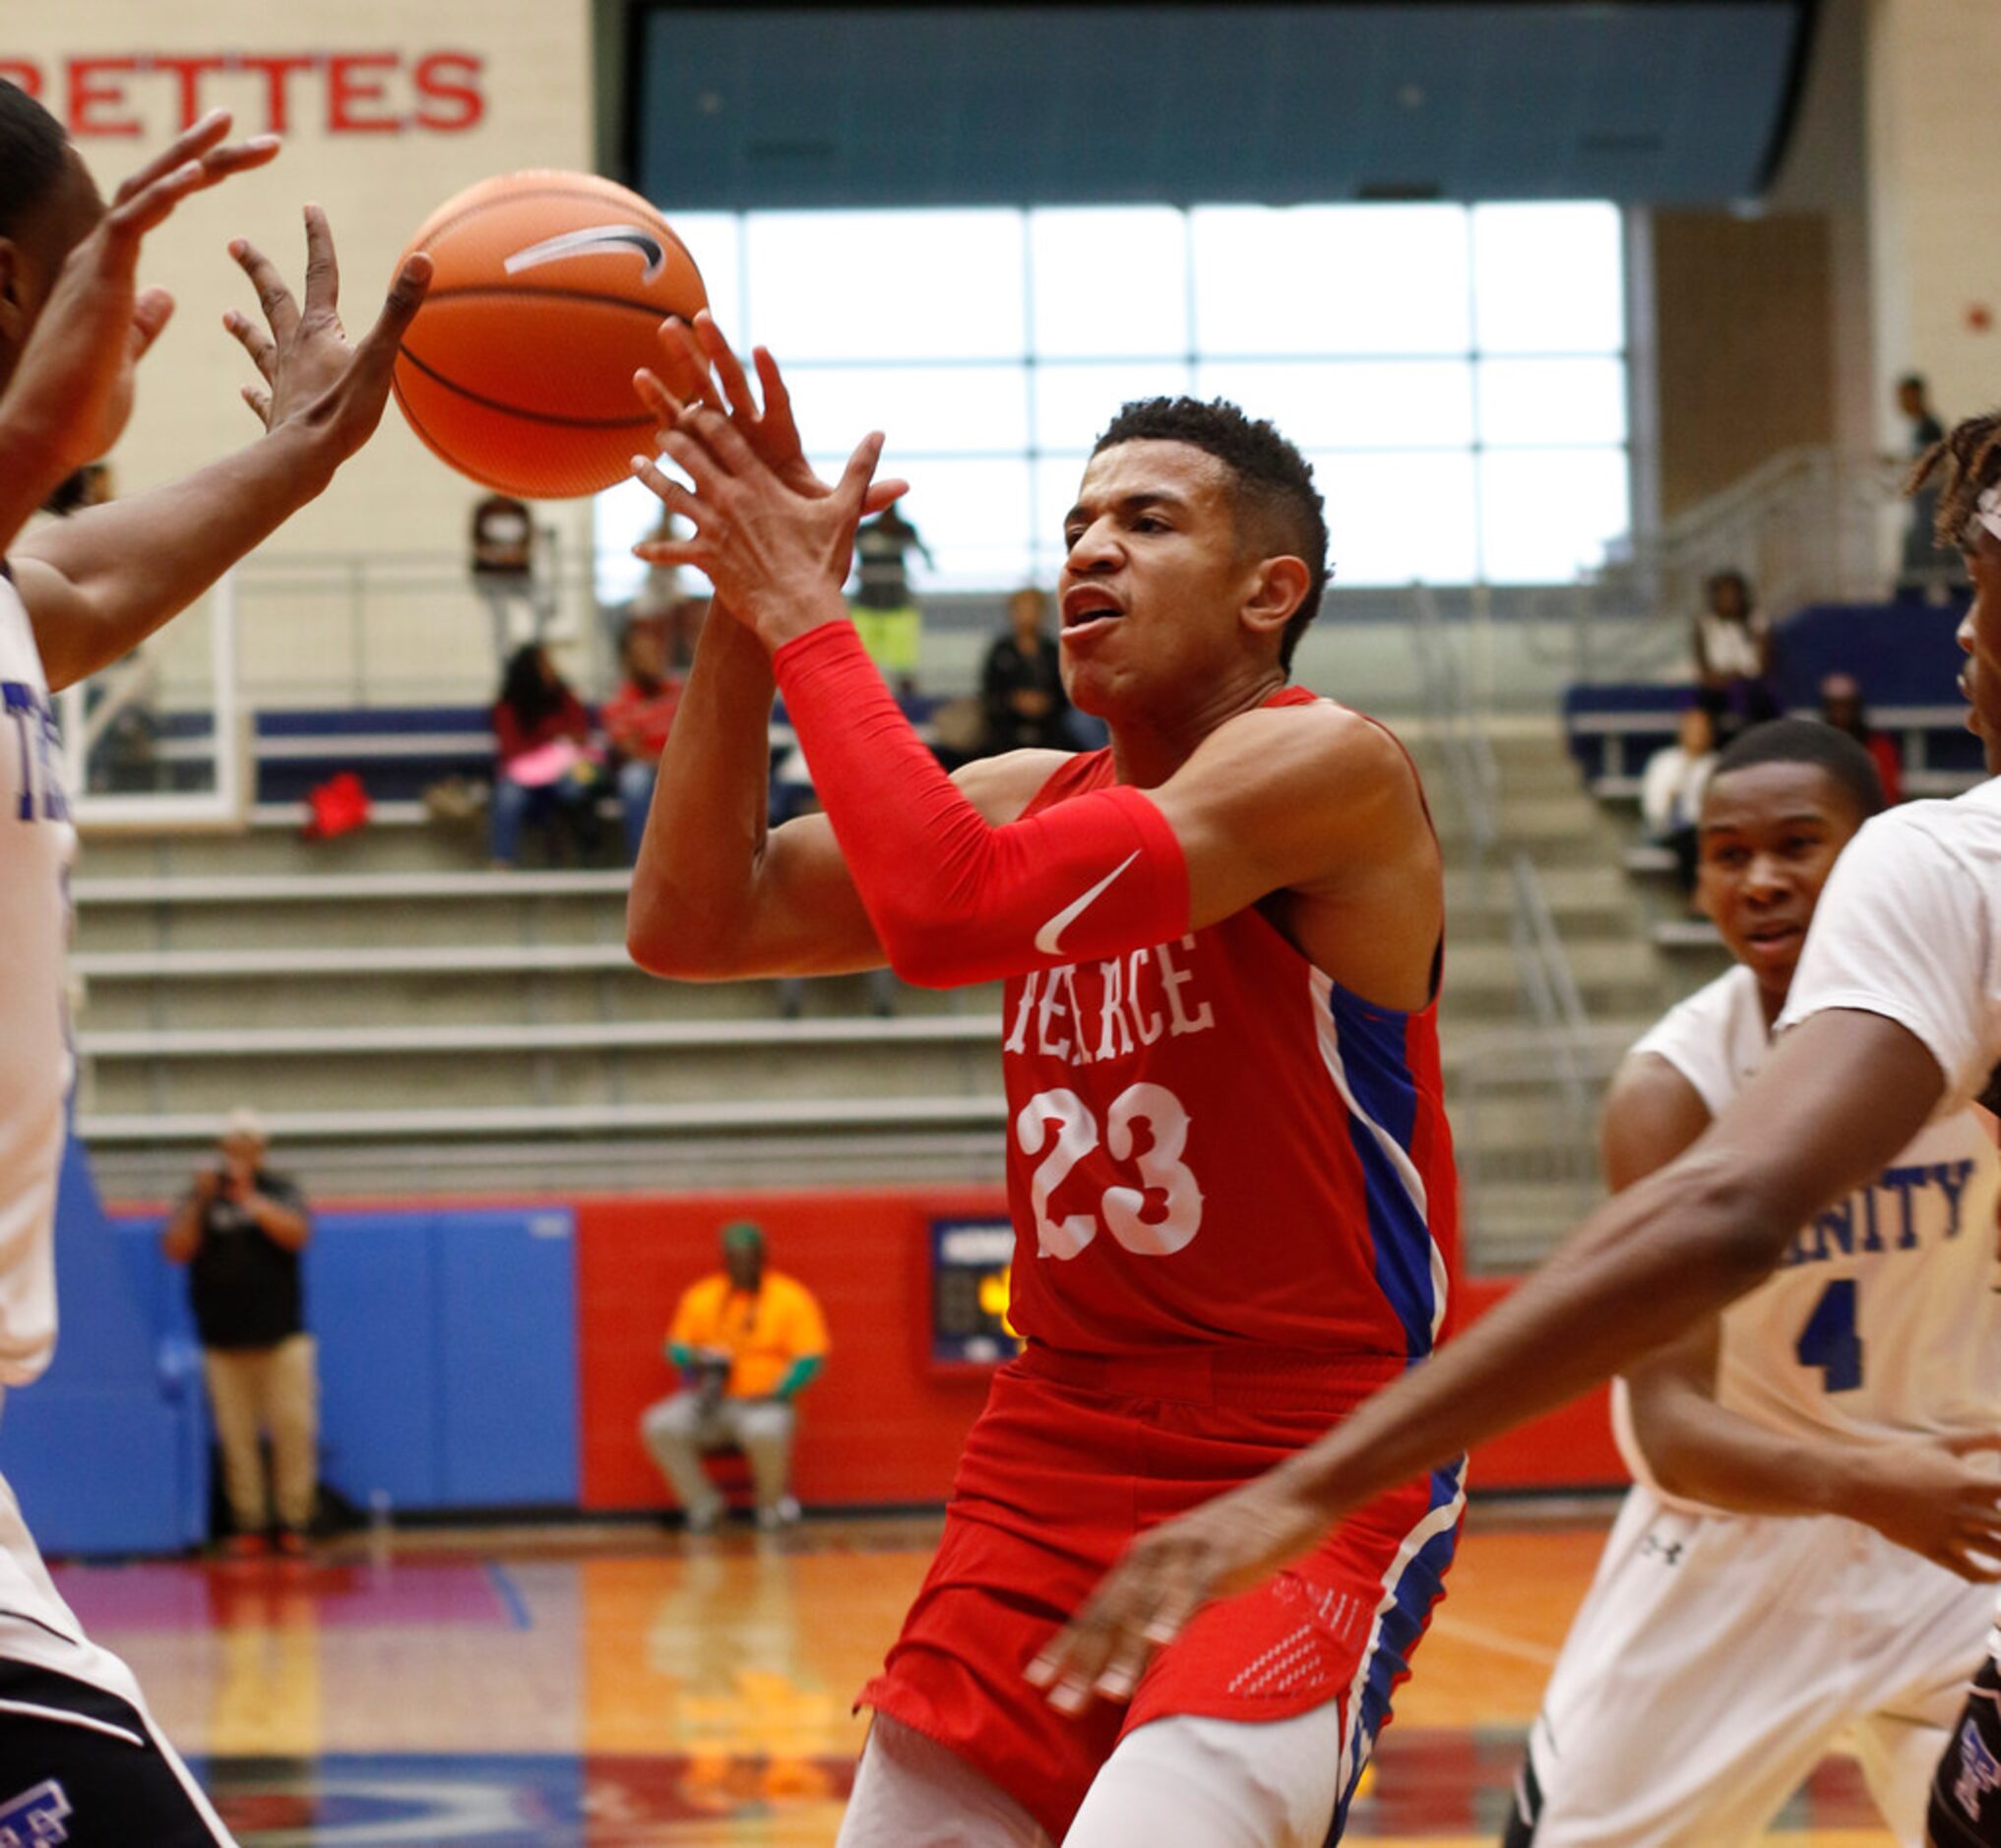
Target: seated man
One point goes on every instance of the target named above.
(748, 1342)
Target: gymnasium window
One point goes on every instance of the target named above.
(1457, 375)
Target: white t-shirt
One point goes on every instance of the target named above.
(36, 847)
(1908, 929)
(1881, 1319)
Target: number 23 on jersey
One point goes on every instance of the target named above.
(1121, 1209)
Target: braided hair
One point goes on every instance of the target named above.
(1969, 457)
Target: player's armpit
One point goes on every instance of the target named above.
(1304, 798)
(1651, 1114)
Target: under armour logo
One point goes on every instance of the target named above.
(35, 1819)
(1979, 1770)
(593, 238)
(1668, 1552)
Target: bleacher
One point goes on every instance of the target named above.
(1906, 659)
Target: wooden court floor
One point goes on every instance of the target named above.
(623, 1687)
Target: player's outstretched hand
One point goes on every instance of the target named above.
(699, 367)
(72, 391)
(1167, 1575)
(314, 381)
(775, 555)
(1940, 1499)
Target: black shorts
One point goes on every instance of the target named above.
(84, 1768)
(1966, 1789)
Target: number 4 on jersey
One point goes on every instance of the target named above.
(1829, 1340)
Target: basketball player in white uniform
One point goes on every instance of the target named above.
(1893, 1022)
(1767, 1584)
(81, 1762)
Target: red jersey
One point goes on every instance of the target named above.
(1209, 1142)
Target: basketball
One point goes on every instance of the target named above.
(546, 297)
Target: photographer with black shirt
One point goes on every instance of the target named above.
(240, 1230)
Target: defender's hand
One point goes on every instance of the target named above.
(1928, 1498)
(72, 392)
(313, 379)
(1167, 1575)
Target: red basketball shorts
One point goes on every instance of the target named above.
(1070, 1459)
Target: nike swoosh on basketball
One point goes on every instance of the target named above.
(585, 242)
(1046, 939)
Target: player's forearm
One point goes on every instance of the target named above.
(1644, 1267)
(952, 897)
(695, 886)
(1703, 1452)
(30, 470)
(137, 563)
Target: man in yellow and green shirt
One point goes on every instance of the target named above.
(748, 1341)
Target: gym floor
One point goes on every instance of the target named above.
(618, 1687)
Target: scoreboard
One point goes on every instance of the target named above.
(971, 1262)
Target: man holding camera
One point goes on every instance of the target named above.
(240, 1230)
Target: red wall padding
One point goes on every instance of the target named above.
(878, 1425)
(1570, 1448)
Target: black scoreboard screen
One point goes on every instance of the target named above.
(971, 1262)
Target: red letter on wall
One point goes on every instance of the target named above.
(188, 72)
(346, 88)
(90, 96)
(463, 103)
(278, 75)
(21, 76)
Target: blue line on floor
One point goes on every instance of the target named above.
(509, 1594)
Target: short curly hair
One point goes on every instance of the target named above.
(1969, 457)
(33, 152)
(1274, 483)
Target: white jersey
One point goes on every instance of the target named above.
(36, 847)
(1881, 1319)
(1910, 928)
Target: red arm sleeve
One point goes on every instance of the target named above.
(954, 898)
(508, 740)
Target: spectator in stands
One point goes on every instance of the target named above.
(1923, 565)
(886, 613)
(1671, 790)
(544, 764)
(637, 719)
(748, 1341)
(1021, 686)
(1841, 706)
(1734, 655)
(240, 1230)
(503, 569)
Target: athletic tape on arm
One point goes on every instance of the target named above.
(952, 898)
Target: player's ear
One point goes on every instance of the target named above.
(1276, 592)
(13, 309)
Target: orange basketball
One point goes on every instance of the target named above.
(546, 297)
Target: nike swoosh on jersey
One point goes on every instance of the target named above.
(1047, 938)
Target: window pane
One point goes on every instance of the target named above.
(1546, 515)
(1074, 404)
(887, 284)
(1552, 400)
(1549, 278)
(972, 516)
(922, 409)
(1401, 404)
(1057, 480)
(1110, 280)
(1330, 280)
(714, 240)
(1398, 518)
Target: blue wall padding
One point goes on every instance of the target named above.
(448, 1372)
(507, 1301)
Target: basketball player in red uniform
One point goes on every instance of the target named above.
(1228, 1166)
